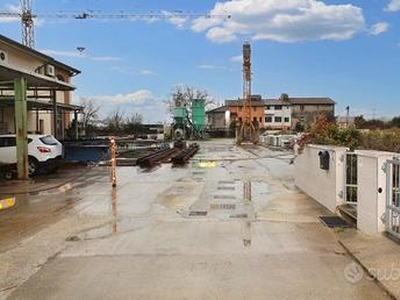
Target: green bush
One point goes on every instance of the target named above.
(323, 132)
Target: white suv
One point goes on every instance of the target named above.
(44, 151)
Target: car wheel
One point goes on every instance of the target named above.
(8, 174)
(32, 166)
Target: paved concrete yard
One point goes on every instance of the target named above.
(180, 233)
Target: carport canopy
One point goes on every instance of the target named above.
(20, 80)
(33, 80)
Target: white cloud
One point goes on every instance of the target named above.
(282, 21)
(379, 28)
(237, 58)
(14, 11)
(394, 5)
(105, 58)
(62, 53)
(126, 71)
(210, 67)
(146, 72)
(77, 53)
(137, 98)
(177, 19)
(143, 101)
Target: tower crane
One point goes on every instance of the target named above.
(27, 18)
(247, 130)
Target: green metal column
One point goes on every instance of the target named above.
(21, 126)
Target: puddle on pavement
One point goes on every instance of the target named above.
(113, 228)
(246, 234)
(207, 164)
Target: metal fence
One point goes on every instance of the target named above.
(392, 214)
(351, 186)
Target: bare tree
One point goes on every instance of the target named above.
(90, 112)
(134, 124)
(115, 121)
(185, 94)
(135, 118)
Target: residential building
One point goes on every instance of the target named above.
(218, 118)
(277, 114)
(285, 113)
(235, 108)
(306, 110)
(46, 83)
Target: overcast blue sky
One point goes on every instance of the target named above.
(348, 50)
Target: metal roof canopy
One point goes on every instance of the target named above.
(34, 104)
(34, 80)
(21, 80)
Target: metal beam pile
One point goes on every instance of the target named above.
(154, 158)
(182, 157)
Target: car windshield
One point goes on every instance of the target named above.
(49, 140)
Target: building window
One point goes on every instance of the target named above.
(260, 119)
(269, 107)
(278, 107)
(268, 119)
(287, 120)
(278, 119)
(60, 77)
(302, 107)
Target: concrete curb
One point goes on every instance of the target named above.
(366, 270)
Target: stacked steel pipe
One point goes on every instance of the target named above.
(182, 157)
(152, 159)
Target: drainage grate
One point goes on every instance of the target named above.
(197, 213)
(222, 206)
(198, 173)
(333, 221)
(239, 216)
(225, 197)
(226, 182)
(226, 188)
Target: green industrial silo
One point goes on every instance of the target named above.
(198, 114)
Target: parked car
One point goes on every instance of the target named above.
(45, 152)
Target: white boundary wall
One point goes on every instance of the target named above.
(371, 190)
(325, 186)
